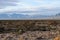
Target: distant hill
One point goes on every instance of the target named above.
(15, 15)
(23, 16)
(58, 14)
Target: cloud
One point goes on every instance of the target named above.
(30, 7)
(8, 2)
(19, 7)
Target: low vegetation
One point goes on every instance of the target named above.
(27, 25)
(41, 28)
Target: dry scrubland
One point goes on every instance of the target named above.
(29, 29)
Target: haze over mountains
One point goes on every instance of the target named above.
(15, 15)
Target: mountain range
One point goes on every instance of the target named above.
(13, 16)
(19, 16)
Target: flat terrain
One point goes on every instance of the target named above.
(29, 29)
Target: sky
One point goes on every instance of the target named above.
(30, 7)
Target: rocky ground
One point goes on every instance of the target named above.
(30, 35)
(30, 30)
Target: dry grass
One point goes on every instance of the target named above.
(41, 28)
(57, 38)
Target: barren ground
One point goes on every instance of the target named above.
(29, 29)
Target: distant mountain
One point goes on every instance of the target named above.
(58, 14)
(14, 15)
(40, 16)
(18, 16)
(21, 16)
(4, 16)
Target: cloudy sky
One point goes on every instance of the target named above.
(30, 7)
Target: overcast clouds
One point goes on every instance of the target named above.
(30, 7)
